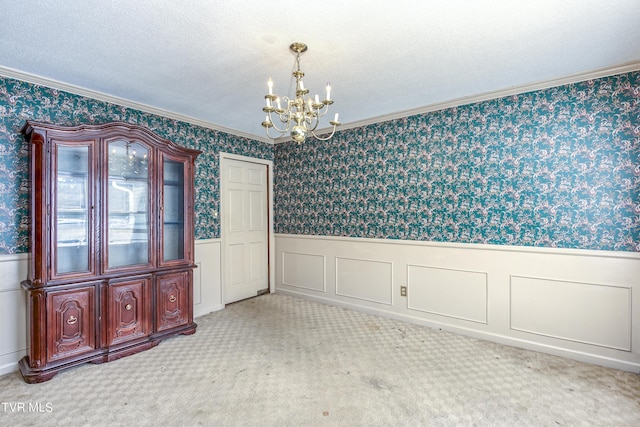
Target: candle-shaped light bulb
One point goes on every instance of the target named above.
(270, 84)
(335, 118)
(317, 99)
(328, 91)
(278, 103)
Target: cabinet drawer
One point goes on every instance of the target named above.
(173, 300)
(127, 311)
(71, 323)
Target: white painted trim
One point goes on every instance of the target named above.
(324, 269)
(475, 246)
(101, 96)
(206, 310)
(498, 338)
(514, 90)
(462, 270)
(207, 241)
(497, 264)
(14, 257)
(13, 269)
(628, 346)
(9, 362)
(370, 260)
(272, 242)
(206, 278)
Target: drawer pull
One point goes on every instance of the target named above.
(72, 320)
(172, 298)
(127, 307)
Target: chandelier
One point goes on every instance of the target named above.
(301, 115)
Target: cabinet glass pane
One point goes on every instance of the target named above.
(72, 209)
(128, 204)
(173, 208)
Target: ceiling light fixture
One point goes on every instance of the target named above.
(301, 115)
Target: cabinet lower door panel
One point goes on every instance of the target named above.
(173, 300)
(71, 323)
(127, 308)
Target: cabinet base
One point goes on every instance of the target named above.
(40, 375)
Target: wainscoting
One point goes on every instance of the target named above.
(207, 279)
(579, 304)
(207, 297)
(13, 311)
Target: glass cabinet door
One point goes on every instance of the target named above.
(127, 217)
(173, 211)
(72, 234)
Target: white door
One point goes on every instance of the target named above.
(244, 229)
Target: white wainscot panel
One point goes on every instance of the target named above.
(13, 314)
(13, 270)
(207, 285)
(303, 270)
(364, 279)
(582, 312)
(13, 311)
(447, 292)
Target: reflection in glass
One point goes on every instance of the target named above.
(173, 217)
(128, 204)
(72, 213)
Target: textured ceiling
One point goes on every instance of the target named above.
(210, 60)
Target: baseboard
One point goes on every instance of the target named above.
(500, 339)
(202, 311)
(583, 305)
(9, 362)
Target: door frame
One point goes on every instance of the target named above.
(224, 157)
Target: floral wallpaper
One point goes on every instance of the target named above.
(553, 168)
(20, 101)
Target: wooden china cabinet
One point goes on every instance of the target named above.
(111, 244)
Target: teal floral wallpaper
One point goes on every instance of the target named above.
(20, 101)
(553, 168)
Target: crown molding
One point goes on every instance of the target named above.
(100, 96)
(514, 90)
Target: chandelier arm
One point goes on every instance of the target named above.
(315, 126)
(273, 125)
(327, 138)
(274, 137)
(285, 118)
(321, 112)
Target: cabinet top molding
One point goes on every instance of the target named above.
(106, 130)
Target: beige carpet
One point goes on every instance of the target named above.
(281, 361)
